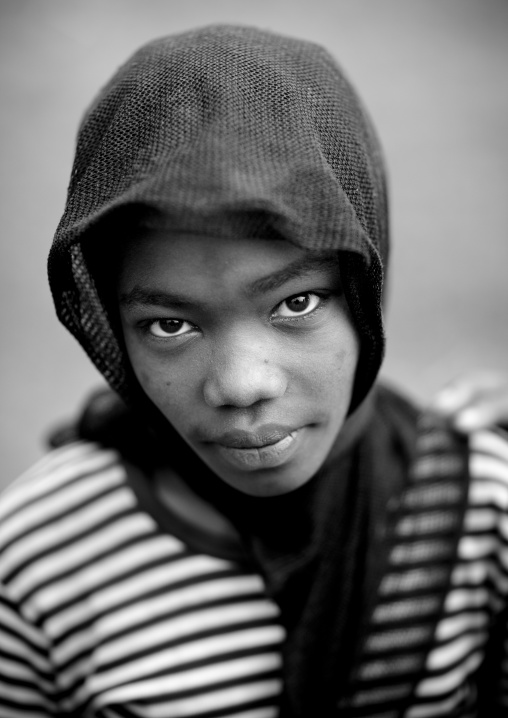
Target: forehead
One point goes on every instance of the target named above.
(158, 257)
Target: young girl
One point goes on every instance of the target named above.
(248, 526)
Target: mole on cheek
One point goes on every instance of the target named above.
(341, 356)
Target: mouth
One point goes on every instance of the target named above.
(265, 435)
(268, 447)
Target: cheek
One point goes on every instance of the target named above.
(334, 370)
(171, 388)
(332, 365)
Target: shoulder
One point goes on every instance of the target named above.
(56, 473)
(488, 467)
(55, 489)
(485, 531)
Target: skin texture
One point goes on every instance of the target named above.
(247, 348)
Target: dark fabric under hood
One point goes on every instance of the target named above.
(226, 131)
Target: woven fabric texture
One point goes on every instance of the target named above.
(226, 131)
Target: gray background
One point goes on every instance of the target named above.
(434, 75)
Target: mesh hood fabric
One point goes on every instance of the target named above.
(226, 131)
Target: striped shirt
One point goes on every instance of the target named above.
(103, 612)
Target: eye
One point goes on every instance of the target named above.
(298, 305)
(164, 328)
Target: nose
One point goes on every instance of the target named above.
(243, 372)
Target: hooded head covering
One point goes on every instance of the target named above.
(237, 132)
(224, 131)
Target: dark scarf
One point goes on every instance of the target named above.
(318, 547)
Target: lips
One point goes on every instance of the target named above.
(269, 446)
(263, 436)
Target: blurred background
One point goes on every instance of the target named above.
(434, 76)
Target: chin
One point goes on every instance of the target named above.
(267, 484)
(270, 470)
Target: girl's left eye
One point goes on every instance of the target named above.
(298, 305)
(164, 328)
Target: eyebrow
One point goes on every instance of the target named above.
(298, 269)
(150, 297)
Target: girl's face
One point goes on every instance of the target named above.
(247, 348)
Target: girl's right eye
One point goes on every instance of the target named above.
(163, 328)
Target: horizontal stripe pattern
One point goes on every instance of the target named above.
(478, 593)
(103, 614)
(430, 627)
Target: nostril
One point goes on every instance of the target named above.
(242, 384)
